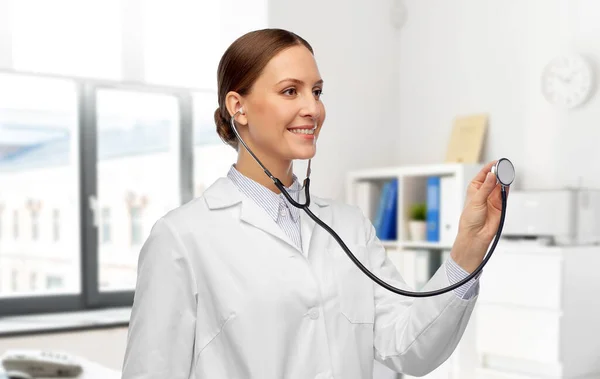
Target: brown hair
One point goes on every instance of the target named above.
(241, 65)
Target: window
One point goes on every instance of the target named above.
(106, 225)
(133, 158)
(56, 225)
(14, 280)
(137, 167)
(75, 143)
(54, 282)
(33, 282)
(39, 164)
(16, 224)
(136, 225)
(33, 207)
(35, 225)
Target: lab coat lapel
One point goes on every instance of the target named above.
(257, 217)
(223, 193)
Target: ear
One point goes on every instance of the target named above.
(233, 101)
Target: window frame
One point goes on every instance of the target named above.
(90, 296)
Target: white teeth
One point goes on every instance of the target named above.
(302, 131)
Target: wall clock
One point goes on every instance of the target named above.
(568, 81)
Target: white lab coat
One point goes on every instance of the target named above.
(222, 292)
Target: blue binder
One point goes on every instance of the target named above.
(378, 221)
(389, 222)
(433, 209)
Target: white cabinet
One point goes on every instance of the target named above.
(538, 313)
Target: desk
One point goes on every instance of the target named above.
(91, 370)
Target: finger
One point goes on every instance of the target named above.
(485, 190)
(496, 198)
(480, 177)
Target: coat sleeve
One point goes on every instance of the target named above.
(414, 335)
(160, 341)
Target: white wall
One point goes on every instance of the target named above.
(354, 48)
(471, 56)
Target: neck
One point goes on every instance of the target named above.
(281, 169)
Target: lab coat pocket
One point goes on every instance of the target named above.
(355, 289)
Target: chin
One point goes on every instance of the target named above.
(304, 153)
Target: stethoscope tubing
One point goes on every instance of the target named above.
(356, 261)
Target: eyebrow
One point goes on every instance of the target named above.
(297, 81)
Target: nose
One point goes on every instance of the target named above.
(310, 107)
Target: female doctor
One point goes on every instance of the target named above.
(240, 284)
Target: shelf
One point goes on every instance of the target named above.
(390, 244)
(385, 173)
(423, 245)
(415, 245)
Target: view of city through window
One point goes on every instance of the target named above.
(39, 182)
(137, 168)
(137, 179)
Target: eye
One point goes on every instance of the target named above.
(290, 91)
(318, 93)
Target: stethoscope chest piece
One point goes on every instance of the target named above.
(504, 171)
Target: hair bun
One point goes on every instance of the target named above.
(224, 129)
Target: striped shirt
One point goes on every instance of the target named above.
(276, 205)
(287, 217)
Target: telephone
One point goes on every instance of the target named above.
(41, 364)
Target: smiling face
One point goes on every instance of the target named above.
(283, 110)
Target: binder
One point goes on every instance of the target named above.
(433, 209)
(389, 220)
(378, 221)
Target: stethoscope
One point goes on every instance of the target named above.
(505, 174)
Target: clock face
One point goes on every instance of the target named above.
(567, 81)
